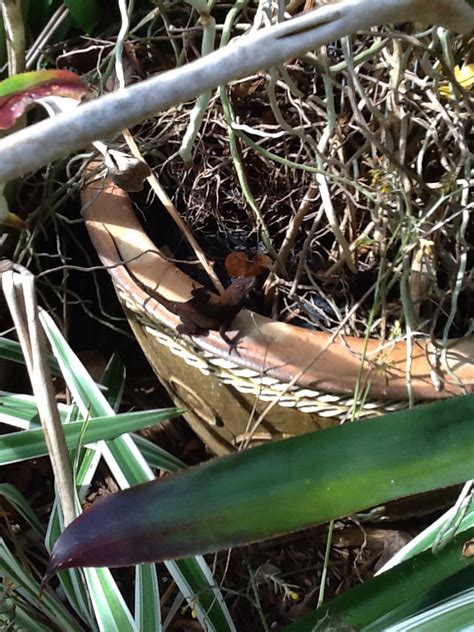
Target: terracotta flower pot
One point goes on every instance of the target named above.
(313, 375)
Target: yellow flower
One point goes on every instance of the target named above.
(464, 76)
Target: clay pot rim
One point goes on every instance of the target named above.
(326, 363)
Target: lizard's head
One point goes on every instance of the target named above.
(244, 283)
(238, 289)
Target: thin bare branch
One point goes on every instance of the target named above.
(46, 141)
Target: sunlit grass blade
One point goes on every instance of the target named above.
(147, 599)
(86, 394)
(130, 468)
(97, 608)
(110, 609)
(453, 614)
(429, 536)
(49, 605)
(102, 603)
(11, 350)
(21, 411)
(31, 444)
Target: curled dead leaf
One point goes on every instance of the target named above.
(238, 264)
(128, 173)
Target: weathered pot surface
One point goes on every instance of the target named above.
(272, 352)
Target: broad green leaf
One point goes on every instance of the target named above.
(36, 80)
(20, 91)
(276, 488)
(84, 12)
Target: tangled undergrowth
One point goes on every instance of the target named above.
(350, 167)
(354, 173)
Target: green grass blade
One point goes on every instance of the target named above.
(106, 601)
(87, 395)
(24, 621)
(129, 468)
(156, 457)
(147, 599)
(72, 581)
(428, 536)
(455, 614)
(196, 583)
(30, 444)
(189, 575)
(110, 609)
(11, 350)
(21, 411)
(16, 615)
(49, 605)
(443, 591)
(114, 381)
(19, 502)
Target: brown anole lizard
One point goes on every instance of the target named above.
(205, 310)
